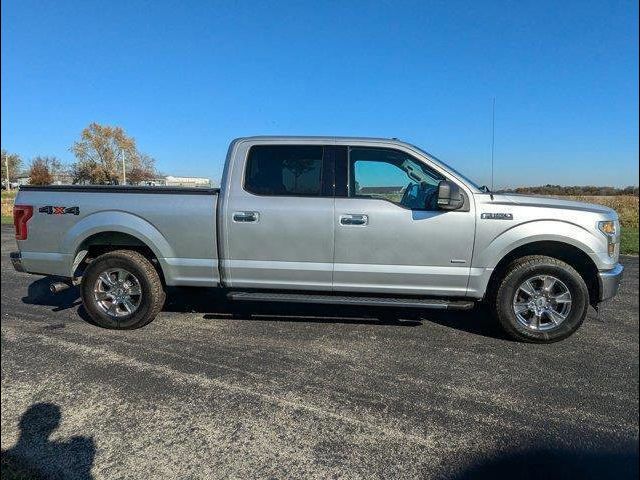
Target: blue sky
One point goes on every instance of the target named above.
(185, 77)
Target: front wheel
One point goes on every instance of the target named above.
(122, 290)
(540, 299)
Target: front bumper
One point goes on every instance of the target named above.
(609, 281)
(16, 260)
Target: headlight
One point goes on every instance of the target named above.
(608, 227)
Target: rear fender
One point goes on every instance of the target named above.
(116, 221)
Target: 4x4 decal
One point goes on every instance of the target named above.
(51, 210)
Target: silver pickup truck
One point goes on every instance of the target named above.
(355, 221)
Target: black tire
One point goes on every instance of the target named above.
(501, 300)
(151, 298)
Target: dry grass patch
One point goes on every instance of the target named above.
(625, 205)
(7, 205)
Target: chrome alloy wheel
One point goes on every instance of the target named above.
(542, 303)
(117, 292)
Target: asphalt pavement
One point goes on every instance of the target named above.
(217, 390)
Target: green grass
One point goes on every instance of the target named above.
(7, 220)
(629, 241)
(9, 194)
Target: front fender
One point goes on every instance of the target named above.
(116, 221)
(488, 254)
(492, 246)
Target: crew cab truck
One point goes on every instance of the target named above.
(357, 221)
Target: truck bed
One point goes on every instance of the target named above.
(177, 224)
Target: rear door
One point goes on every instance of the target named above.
(390, 236)
(279, 218)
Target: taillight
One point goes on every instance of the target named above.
(21, 215)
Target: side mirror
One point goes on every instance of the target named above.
(449, 196)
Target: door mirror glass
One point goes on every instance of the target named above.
(449, 196)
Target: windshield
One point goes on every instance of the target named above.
(466, 179)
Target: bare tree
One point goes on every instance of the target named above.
(143, 171)
(55, 166)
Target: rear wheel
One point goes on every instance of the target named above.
(122, 290)
(540, 299)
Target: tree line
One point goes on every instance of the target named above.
(100, 153)
(590, 190)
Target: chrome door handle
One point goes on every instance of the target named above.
(354, 219)
(245, 217)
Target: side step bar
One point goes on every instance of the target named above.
(349, 300)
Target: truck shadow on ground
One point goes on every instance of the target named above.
(36, 456)
(183, 299)
(38, 293)
(213, 304)
(557, 463)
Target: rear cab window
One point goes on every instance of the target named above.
(285, 170)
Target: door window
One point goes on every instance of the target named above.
(286, 170)
(394, 176)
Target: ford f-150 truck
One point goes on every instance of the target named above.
(355, 221)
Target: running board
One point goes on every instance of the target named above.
(348, 300)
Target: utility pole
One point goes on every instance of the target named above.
(6, 164)
(124, 173)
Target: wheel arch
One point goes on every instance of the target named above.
(107, 231)
(566, 252)
(108, 241)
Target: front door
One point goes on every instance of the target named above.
(390, 236)
(279, 219)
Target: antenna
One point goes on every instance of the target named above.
(493, 137)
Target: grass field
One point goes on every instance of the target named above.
(627, 208)
(625, 205)
(629, 241)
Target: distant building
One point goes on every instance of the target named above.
(154, 182)
(66, 178)
(62, 178)
(171, 181)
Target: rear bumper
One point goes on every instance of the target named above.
(42, 263)
(610, 282)
(16, 260)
